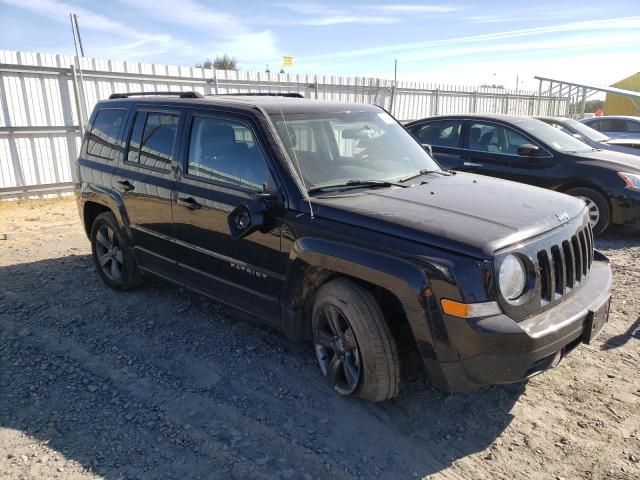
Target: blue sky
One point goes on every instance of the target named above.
(457, 41)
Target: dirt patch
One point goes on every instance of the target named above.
(161, 383)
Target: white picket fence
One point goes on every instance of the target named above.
(45, 99)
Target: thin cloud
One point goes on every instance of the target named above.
(59, 11)
(225, 32)
(316, 15)
(415, 8)
(623, 23)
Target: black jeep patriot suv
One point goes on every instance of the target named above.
(330, 222)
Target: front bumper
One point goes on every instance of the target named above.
(496, 350)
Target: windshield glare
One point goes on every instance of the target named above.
(333, 148)
(553, 137)
(588, 132)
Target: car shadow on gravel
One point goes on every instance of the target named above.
(161, 383)
(618, 236)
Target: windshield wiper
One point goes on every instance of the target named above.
(357, 183)
(425, 172)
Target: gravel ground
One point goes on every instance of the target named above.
(161, 383)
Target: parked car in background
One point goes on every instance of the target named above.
(527, 150)
(626, 143)
(330, 222)
(615, 126)
(593, 137)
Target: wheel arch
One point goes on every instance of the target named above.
(583, 184)
(90, 211)
(398, 285)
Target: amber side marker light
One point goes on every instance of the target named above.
(469, 310)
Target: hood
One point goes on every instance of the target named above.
(618, 161)
(464, 212)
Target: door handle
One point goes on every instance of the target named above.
(472, 164)
(126, 184)
(189, 202)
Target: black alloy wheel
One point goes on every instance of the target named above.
(337, 350)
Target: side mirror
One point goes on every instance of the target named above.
(246, 218)
(528, 150)
(428, 148)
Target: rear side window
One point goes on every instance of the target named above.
(633, 126)
(445, 133)
(226, 151)
(104, 139)
(612, 125)
(152, 138)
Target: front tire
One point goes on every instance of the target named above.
(598, 206)
(111, 255)
(354, 347)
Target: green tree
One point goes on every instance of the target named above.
(225, 62)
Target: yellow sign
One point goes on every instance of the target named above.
(287, 61)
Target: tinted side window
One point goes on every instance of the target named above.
(158, 137)
(595, 125)
(493, 138)
(633, 126)
(445, 133)
(104, 138)
(133, 154)
(613, 125)
(226, 151)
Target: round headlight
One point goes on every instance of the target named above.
(512, 277)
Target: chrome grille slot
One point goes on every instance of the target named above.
(558, 269)
(569, 263)
(546, 280)
(577, 252)
(564, 266)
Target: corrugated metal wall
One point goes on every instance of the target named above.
(619, 105)
(42, 96)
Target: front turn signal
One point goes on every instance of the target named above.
(469, 310)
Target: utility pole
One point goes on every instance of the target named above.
(80, 99)
(75, 20)
(393, 87)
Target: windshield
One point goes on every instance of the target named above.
(585, 131)
(335, 148)
(553, 137)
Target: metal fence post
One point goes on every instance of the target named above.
(539, 97)
(436, 101)
(474, 103)
(393, 94)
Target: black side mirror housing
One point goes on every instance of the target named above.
(247, 218)
(428, 149)
(528, 150)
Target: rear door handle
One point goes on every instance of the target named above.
(189, 202)
(126, 184)
(472, 164)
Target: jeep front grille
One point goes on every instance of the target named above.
(564, 266)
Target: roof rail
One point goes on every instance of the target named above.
(171, 94)
(257, 94)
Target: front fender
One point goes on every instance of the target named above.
(312, 261)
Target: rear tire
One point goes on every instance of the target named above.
(598, 205)
(355, 349)
(111, 254)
